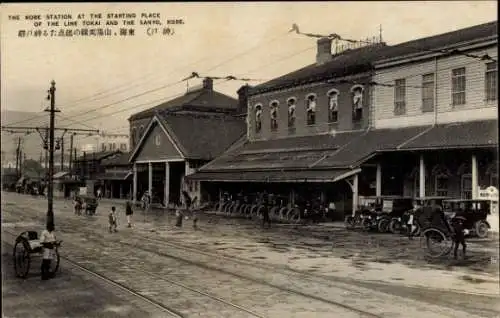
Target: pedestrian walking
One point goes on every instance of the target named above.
(265, 217)
(112, 220)
(178, 215)
(128, 213)
(99, 194)
(457, 224)
(47, 240)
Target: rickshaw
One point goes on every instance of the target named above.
(474, 212)
(28, 245)
(412, 215)
(89, 204)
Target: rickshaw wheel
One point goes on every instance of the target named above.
(434, 237)
(22, 258)
(481, 229)
(54, 265)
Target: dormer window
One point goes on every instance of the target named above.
(273, 110)
(292, 102)
(357, 102)
(311, 109)
(258, 118)
(333, 106)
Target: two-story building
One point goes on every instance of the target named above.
(450, 92)
(173, 139)
(346, 118)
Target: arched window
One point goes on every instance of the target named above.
(258, 118)
(357, 102)
(292, 103)
(441, 179)
(333, 105)
(273, 111)
(311, 109)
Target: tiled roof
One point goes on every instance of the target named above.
(201, 99)
(298, 152)
(271, 176)
(346, 63)
(443, 40)
(202, 135)
(459, 135)
(362, 59)
(362, 147)
(121, 159)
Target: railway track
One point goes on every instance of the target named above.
(237, 284)
(190, 257)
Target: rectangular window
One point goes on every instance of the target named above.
(428, 92)
(458, 86)
(466, 187)
(400, 97)
(491, 81)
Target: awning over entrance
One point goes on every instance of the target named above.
(275, 176)
(115, 175)
(459, 135)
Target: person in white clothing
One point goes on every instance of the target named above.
(48, 241)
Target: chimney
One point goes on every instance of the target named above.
(208, 84)
(243, 99)
(324, 53)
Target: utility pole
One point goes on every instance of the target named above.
(18, 149)
(71, 137)
(62, 154)
(50, 193)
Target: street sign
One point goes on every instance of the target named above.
(490, 193)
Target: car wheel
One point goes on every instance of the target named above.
(383, 225)
(395, 226)
(481, 229)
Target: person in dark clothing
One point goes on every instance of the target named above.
(265, 216)
(458, 236)
(128, 213)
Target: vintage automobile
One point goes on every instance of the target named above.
(385, 208)
(475, 213)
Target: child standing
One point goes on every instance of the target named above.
(112, 220)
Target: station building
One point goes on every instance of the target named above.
(171, 140)
(417, 118)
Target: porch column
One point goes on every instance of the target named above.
(475, 182)
(134, 184)
(150, 178)
(422, 177)
(188, 169)
(111, 190)
(121, 190)
(167, 183)
(378, 186)
(355, 194)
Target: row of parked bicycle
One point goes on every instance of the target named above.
(409, 215)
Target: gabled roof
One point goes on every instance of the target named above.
(205, 99)
(362, 60)
(204, 136)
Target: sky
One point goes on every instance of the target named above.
(95, 75)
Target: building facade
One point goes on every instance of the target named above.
(172, 140)
(360, 122)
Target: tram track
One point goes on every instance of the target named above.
(181, 255)
(246, 282)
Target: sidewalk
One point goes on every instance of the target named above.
(72, 293)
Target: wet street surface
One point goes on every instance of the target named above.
(233, 268)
